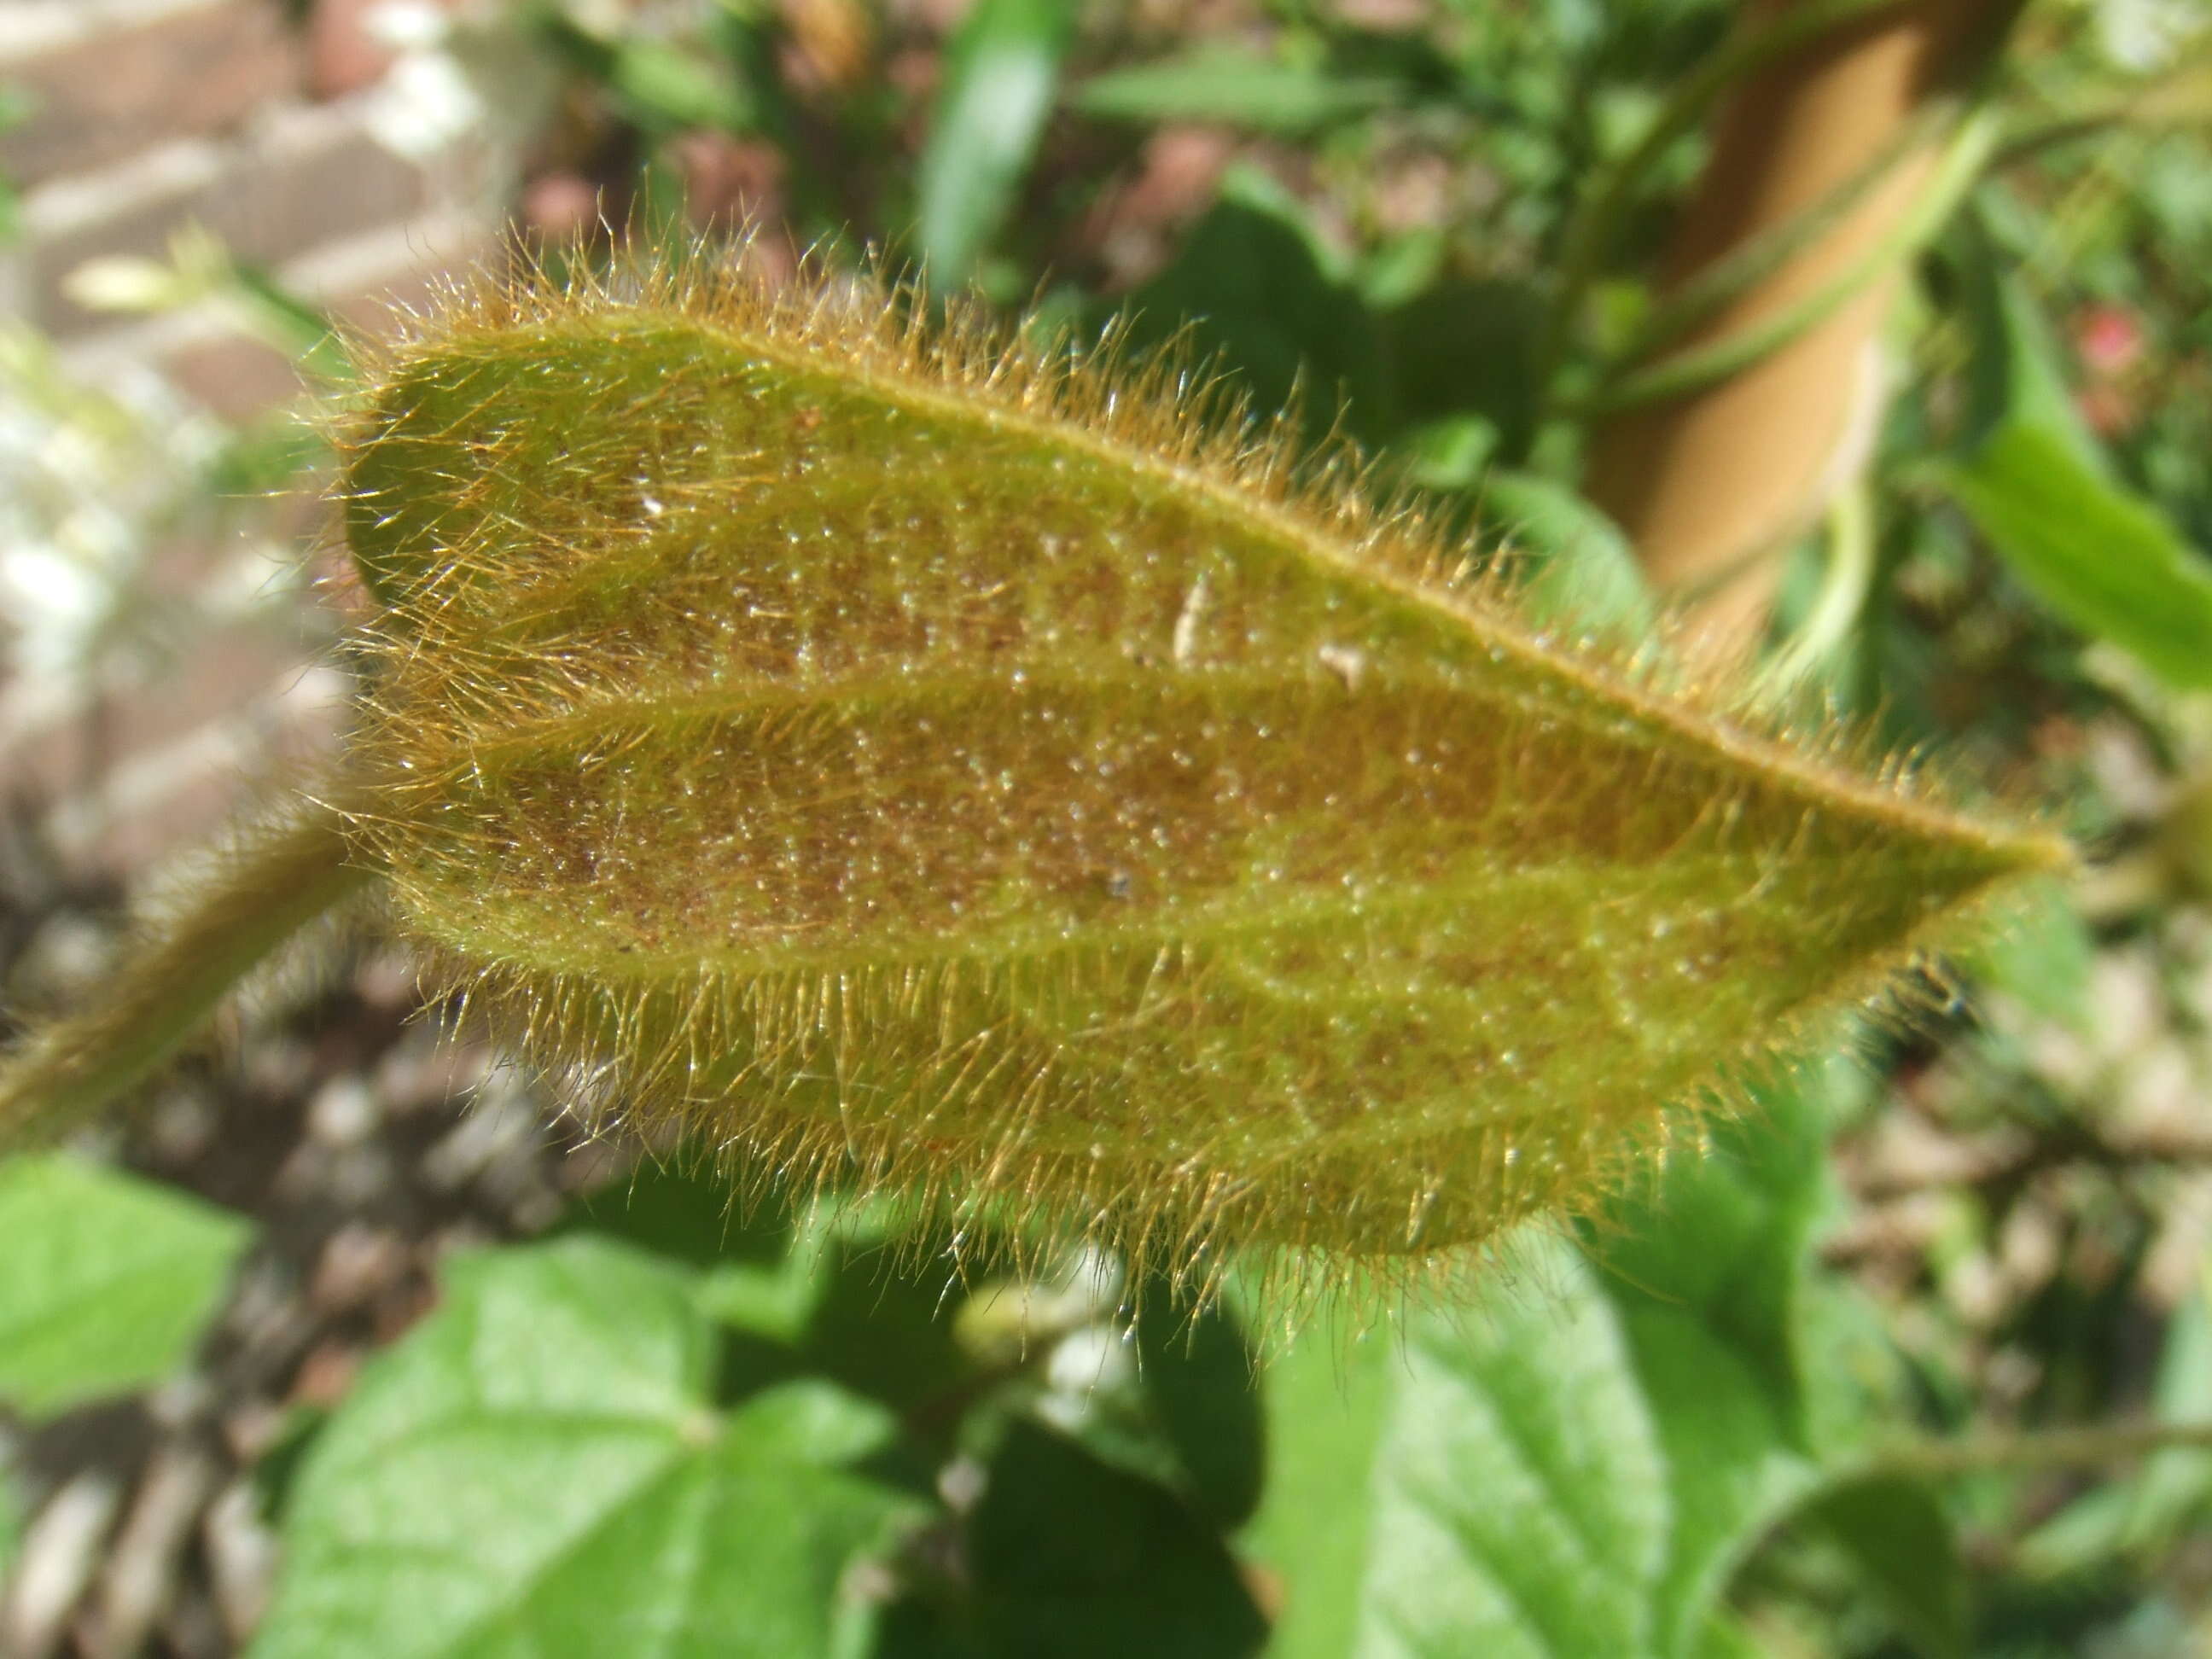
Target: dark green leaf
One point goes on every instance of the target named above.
(106, 1281)
(1256, 294)
(1076, 1560)
(1897, 1535)
(1199, 1380)
(1000, 72)
(2015, 377)
(1233, 86)
(886, 1329)
(537, 1469)
(682, 1209)
(1587, 574)
(1468, 347)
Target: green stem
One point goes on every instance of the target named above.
(1699, 366)
(1851, 548)
(2039, 1449)
(1590, 233)
(2174, 101)
(1696, 301)
(260, 895)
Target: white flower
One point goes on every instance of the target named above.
(425, 104)
(122, 283)
(407, 26)
(55, 602)
(2147, 35)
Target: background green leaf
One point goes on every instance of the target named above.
(1896, 1533)
(1468, 346)
(11, 1517)
(2100, 556)
(1234, 86)
(1069, 1557)
(106, 1282)
(2040, 489)
(1586, 574)
(1000, 77)
(1204, 1393)
(539, 1469)
(1254, 292)
(1572, 1466)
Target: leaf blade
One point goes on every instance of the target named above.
(537, 1469)
(2107, 561)
(1574, 1465)
(1195, 851)
(1234, 86)
(106, 1283)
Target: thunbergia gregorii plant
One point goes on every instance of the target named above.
(993, 778)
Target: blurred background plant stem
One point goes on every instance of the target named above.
(1711, 482)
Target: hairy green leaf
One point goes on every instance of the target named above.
(537, 1469)
(106, 1283)
(874, 749)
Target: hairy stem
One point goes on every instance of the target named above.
(260, 894)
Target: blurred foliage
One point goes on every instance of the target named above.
(151, 1262)
(1687, 1431)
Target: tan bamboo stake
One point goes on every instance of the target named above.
(1711, 484)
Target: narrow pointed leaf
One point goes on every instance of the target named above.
(2039, 488)
(1000, 71)
(2106, 561)
(1234, 86)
